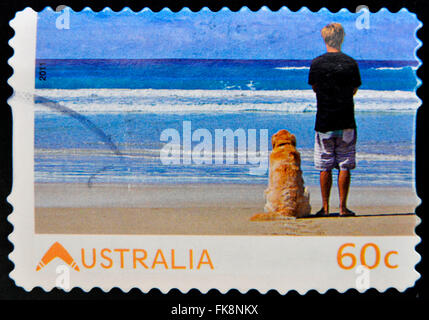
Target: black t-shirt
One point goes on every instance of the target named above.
(335, 75)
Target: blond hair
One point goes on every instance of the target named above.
(333, 34)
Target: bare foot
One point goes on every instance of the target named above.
(347, 213)
(322, 213)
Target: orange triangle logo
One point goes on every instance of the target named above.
(57, 251)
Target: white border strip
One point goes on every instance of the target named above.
(241, 262)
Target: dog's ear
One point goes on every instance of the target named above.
(293, 140)
(296, 156)
(274, 140)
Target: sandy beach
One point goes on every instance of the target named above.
(212, 209)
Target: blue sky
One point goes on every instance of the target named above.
(222, 35)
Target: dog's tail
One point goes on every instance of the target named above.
(265, 216)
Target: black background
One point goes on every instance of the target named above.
(97, 303)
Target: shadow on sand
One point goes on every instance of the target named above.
(337, 214)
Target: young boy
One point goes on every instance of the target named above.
(335, 79)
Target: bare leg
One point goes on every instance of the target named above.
(325, 187)
(343, 188)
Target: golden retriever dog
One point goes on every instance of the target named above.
(285, 195)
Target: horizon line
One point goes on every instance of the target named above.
(218, 59)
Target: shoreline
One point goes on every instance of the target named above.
(185, 194)
(212, 209)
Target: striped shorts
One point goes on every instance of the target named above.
(335, 149)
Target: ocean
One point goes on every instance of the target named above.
(100, 121)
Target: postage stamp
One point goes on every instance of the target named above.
(248, 150)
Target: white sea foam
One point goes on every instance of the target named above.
(307, 155)
(67, 93)
(395, 68)
(213, 101)
(147, 153)
(137, 177)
